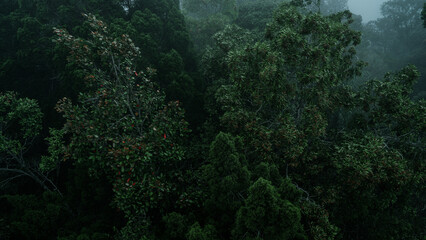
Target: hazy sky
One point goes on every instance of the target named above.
(368, 9)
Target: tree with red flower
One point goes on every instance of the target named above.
(125, 115)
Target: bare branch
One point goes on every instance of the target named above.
(6, 181)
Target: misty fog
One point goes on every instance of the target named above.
(368, 9)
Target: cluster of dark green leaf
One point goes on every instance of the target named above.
(255, 133)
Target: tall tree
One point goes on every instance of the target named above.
(123, 128)
(227, 178)
(288, 98)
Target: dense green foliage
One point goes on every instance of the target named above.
(211, 119)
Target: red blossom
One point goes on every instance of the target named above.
(164, 135)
